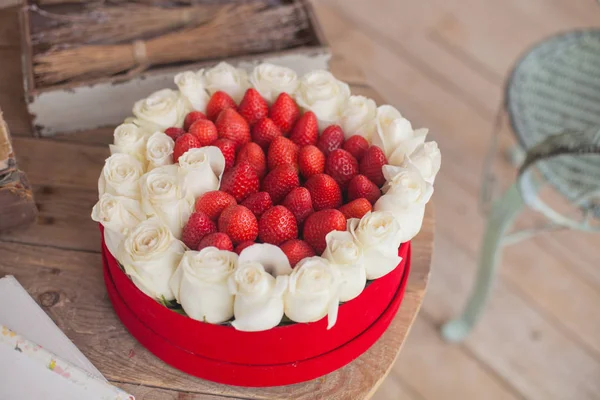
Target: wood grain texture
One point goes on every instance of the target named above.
(438, 85)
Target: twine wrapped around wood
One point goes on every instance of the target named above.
(236, 29)
(95, 24)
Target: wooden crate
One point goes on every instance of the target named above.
(102, 102)
(17, 206)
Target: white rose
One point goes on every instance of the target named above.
(358, 117)
(118, 215)
(150, 254)
(427, 159)
(343, 253)
(200, 284)
(120, 176)
(324, 95)
(192, 87)
(406, 194)
(228, 79)
(258, 304)
(130, 139)
(272, 80)
(377, 234)
(202, 169)
(159, 111)
(313, 292)
(159, 150)
(395, 135)
(164, 196)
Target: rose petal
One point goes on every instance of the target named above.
(270, 256)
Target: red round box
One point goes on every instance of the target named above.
(279, 356)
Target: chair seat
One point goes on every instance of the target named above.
(556, 87)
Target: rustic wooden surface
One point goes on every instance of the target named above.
(58, 262)
(442, 63)
(17, 207)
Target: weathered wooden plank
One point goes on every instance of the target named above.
(63, 221)
(393, 389)
(412, 40)
(10, 33)
(48, 162)
(12, 100)
(513, 337)
(480, 31)
(426, 359)
(458, 129)
(149, 393)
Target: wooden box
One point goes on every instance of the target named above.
(94, 103)
(17, 207)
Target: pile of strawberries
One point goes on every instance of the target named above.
(284, 183)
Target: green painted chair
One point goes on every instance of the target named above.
(552, 101)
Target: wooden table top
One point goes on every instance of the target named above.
(58, 262)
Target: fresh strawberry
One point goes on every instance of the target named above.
(198, 226)
(239, 223)
(218, 239)
(371, 164)
(253, 107)
(356, 208)
(277, 225)
(232, 125)
(258, 203)
(331, 139)
(205, 131)
(174, 133)
(324, 192)
(280, 181)
(319, 224)
(184, 143)
(361, 186)
(342, 167)
(213, 203)
(284, 112)
(240, 182)
(310, 161)
(357, 146)
(264, 132)
(217, 103)
(253, 155)
(243, 245)
(227, 147)
(306, 130)
(298, 201)
(282, 151)
(296, 250)
(191, 118)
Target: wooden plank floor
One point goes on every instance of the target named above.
(442, 63)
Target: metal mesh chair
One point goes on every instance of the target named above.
(552, 101)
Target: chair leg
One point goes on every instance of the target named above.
(515, 155)
(503, 212)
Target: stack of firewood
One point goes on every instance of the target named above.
(92, 40)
